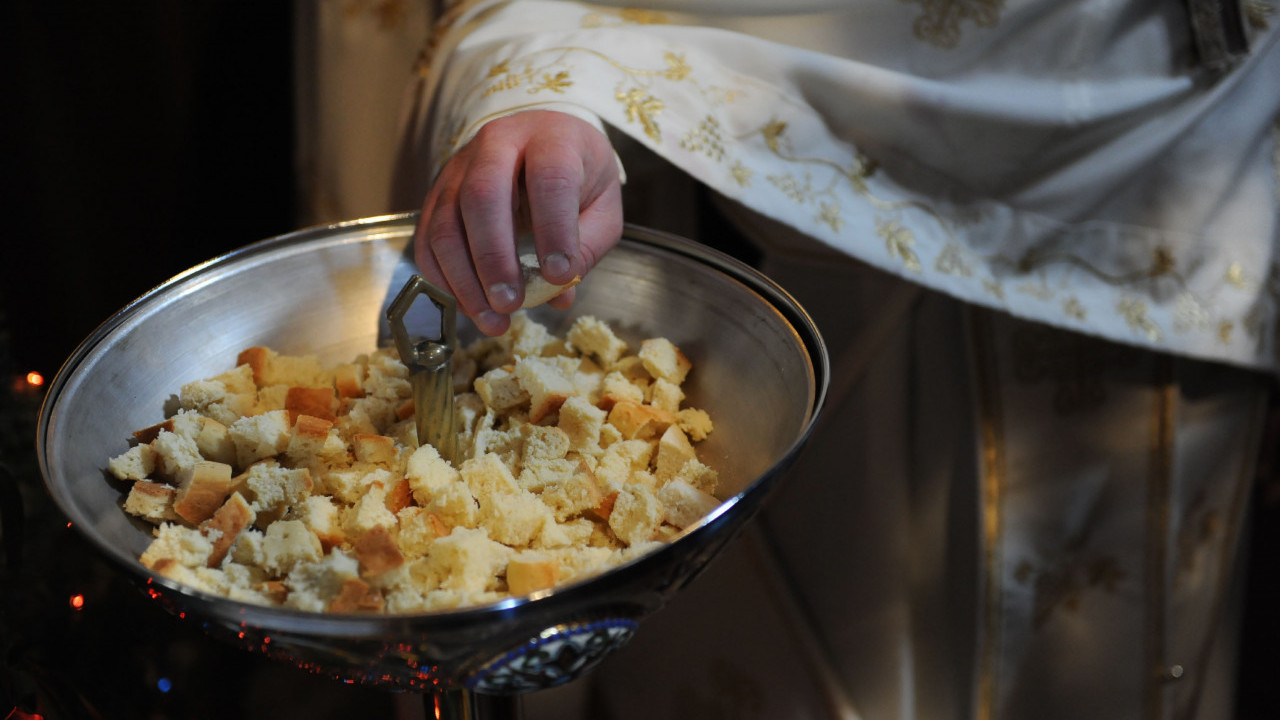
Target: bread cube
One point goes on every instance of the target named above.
(662, 359)
(202, 488)
(260, 436)
(684, 505)
(151, 501)
(228, 522)
(136, 463)
(528, 572)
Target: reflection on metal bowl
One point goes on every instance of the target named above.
(761, 371)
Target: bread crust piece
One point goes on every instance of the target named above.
(530, 572)
(356, 596)
(377, 552)
(318, 402)
(151, 501)
(640, 422)
(228, 521)
(201, 491)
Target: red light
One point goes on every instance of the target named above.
(20, 714)
(35, 379)
(77, 601)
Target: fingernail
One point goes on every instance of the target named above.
(556, 264)
(501, 295)
(488, 321)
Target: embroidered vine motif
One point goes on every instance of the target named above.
(1064, 585)
(1134, 312)
(953, 260)
(900, 242)
(829, 215)
(705, 138)
(1189, 314)
(643, 108)
(939, 21)
(1236, 276)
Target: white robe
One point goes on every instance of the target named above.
(1028, 513)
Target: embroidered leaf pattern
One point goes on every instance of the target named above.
(829, 214)
(899, 241)
(772, 135)
(642, 107)
(555, 83)
(1134, 312)
(939, 21)
(677, 68)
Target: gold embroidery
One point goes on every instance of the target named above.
(939, 22)
(994, 289)
(1224, 331)
(624, 16)
(705, 138)
(772, 135)
(677, 68)
(899, 241)
(1236, 277)
(829, 214)
(952, 261)
(1189, 313)
(1134, 312)
(555, 83)
(1072, 308)
(642, 107)
(741, 173)
(1037, 290)
(1063, 585)
(801, 192)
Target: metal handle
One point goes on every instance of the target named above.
(430, 363)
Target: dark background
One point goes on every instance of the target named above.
(138, 139)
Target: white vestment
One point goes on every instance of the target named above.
(1038, 237)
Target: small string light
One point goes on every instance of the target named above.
(164, 685)
(77, 601)
(35, 379)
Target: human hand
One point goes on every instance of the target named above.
(536, 171)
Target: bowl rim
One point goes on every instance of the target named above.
(352, 625)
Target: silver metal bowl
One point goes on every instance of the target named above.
(760, 371)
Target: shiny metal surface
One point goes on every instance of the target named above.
(760, 370)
